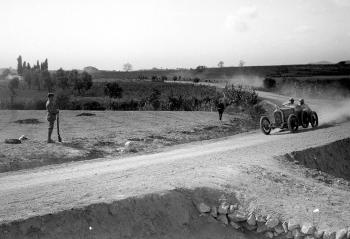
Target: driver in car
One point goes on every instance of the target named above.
(304, 106)
(289, 103)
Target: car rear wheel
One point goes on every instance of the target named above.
(293, 123)
(314, 119)
(265, 125)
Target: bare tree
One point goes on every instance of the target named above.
(127, 67)
(221, 64)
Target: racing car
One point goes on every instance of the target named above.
(286, 117)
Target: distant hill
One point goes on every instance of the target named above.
(214, 74)
(91, 69)
(321, 63)
(344, 62)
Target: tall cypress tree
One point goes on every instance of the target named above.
(19, 65)
(46, 64)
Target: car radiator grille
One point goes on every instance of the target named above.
(278, 118)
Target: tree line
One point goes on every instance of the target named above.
(39, 77)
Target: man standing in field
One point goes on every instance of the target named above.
(52, 111)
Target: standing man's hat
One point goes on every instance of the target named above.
(50, 94)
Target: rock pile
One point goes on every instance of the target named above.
(270, 226)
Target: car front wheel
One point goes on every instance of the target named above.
(265, 125)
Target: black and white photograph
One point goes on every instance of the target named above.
(174, 119)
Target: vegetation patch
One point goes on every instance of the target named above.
(86, 114)
(28, 121)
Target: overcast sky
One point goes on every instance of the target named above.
(173, 33)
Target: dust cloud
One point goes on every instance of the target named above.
(330, 101)
(333, 111)
(309, 90)
(244, 80)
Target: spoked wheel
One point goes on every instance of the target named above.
(293, 123)
(265, 125)
(304, 119)
(314, 119)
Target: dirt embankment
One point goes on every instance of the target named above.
(162, 215)
(333, 158)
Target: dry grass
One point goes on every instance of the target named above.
(105, 134)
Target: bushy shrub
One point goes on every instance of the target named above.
(154, 98)
(241, 96)
(125, 105)
(269, 83)
(82, 83)
(113, 90)
(63, 99)
(75, 105)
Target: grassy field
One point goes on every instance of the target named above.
(136, 95)
(105, 134)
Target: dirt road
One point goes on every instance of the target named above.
(243, 164)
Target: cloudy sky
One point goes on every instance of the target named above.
(173, 33)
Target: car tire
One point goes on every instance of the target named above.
(265, 125)
(293, 123)
(314, 119)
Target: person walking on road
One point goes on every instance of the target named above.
(52, 112)
(221, 107)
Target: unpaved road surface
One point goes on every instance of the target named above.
(243, 164)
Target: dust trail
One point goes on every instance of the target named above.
(244, 80)
(336, 111)
(331, 102)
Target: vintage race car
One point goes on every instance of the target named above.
(288, 117)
